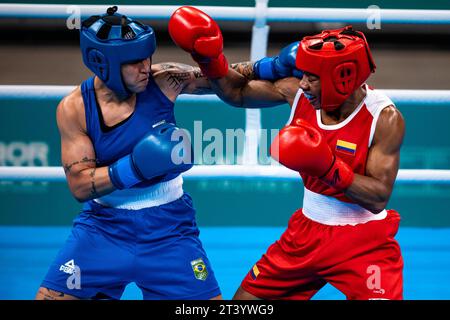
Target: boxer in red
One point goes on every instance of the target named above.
(344, 139)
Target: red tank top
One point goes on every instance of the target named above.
(350, 139)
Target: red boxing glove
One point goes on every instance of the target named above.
(302, 148)
(197, 33)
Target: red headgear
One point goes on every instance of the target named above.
(342, 60)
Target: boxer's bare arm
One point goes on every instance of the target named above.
(373, 190)
(238, 88)
(85, 180)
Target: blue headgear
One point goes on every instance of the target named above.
(110, 40)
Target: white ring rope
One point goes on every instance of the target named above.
(256, 172)
(63, 11)
(38, 92)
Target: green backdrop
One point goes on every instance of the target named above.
(29, 137)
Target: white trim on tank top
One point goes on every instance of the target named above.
(340, 124)
(331, 211)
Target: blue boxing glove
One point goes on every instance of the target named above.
(278, 67)
(158, 153)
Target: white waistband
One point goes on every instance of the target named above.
(139, 198)
(331, 211)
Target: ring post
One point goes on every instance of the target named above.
(260, 35)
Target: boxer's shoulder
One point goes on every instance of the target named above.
(164, 68)
(71, 108)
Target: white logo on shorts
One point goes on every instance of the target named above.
(74, 280)
(374, 280)
(68, 267)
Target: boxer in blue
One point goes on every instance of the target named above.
(117, 137)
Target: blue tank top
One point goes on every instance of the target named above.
(112, 143)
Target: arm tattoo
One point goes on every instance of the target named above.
(166, 66)
(245, 68)
(198, 73)
(94, 193)
(176, 79)
(178, 74)
(68, 167)
(176, 66)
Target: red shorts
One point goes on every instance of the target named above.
(362, 261)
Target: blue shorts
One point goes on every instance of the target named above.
(158, 248)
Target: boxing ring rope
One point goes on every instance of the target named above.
(39, 92)
(63, 11)
(259, 172)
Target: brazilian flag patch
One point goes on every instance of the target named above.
(199, 268)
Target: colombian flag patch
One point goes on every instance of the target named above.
(254, 272)
(346, 147)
